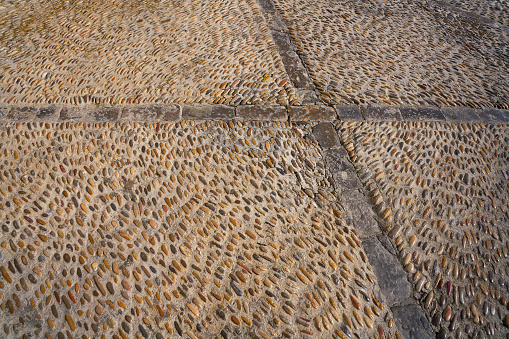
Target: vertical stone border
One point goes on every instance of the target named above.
(408, 315)
(305, 90)
(392, 283)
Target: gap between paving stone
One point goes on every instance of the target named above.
(308, 112)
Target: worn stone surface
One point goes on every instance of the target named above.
(412, 322)
(390, 274)
(348, 112)
(362, 217)
(47, 113)
(311, 113)
(380, 113)
(22, 113)
(342, 171)
(196, 229)
(326, 135)
(293, 65)
(495, 115)
(421, 114)
(151, 113)
(305, 97)
(461, 114)
(262, 113)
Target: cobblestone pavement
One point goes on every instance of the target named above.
(441, 193)
(130, 52)
(401, 52)
(214, 229)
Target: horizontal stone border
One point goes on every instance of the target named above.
(317, 113)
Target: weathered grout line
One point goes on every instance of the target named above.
(175, 112)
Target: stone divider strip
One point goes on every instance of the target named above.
(318, 113)
(408, 315)
(297, 72)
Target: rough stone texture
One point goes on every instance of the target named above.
(311, 113)
(391, 276)
(361, 213)
(4, 112)
(343, 172)
(22, 113)
(461, 114)
(261, 113)
(274, 23)
(305, 97)
(495, 115)
(348, 113)
(151, 113)
(380, 113)
(421, 114)
(293, 65)
(90, 114)
(267, 5)
(326, 135)
(47, 113)
(412, 322)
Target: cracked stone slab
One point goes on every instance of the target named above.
(460, 114)
(348, 112)
(391, 276)
(311, 113)
(362, 215)
(412, 322)
(377, 113)
(326, 135)
(151, 113)
(343, 172)
(421, 114)
(261, 112)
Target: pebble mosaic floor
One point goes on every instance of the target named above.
(210, 230)
(120, 52)
(442, 191)
(398, 53)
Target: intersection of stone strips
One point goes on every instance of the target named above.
(130, 52)
(442, 192)
(201, 230)
(399, 52)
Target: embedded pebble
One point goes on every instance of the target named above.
(402, 52)
(264, 258)
(118, 52)
(453, 240)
